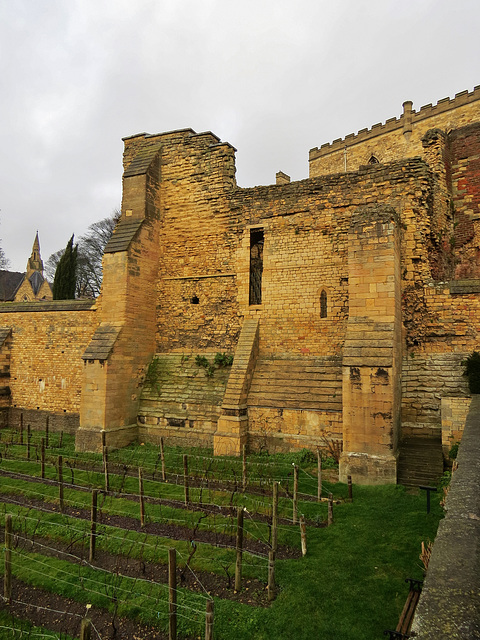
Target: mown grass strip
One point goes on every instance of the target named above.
(68, 530)
(144, 601)
(206, 519)
(263, 470)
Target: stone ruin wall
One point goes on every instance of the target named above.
(398, 137)
(202, 292)
(43, 353)
(204, 255)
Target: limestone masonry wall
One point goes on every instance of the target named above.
(47, 341)
(348, 299)
(398, 137)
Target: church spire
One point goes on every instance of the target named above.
(35, 261)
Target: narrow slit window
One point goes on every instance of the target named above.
(256, 265)
(323, 304)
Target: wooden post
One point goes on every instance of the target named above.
(47, 425)
(142, 499)
(185, 478)
(330, 510)
(271, 576)
(93, 526)
(7, 580)
(60, 442)
(303, 535)
(21, 428)
(238, 563)
(172, 594)
(42, 459)
(29, 438)
(60, 482)
(295, 492)
(319, 474)
(350, 489)
(105, 469)
(274, 516)
(244, 467)
(162, 455)
(209, 621)
(86, 629)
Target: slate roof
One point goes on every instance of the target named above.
(101, 343)
(9, 283)
(36, 280)
(123, 235)
(4, 333)
(141, 162)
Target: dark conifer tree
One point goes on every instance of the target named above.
(65, 274)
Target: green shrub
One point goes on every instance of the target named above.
(223, 360)
(472, 371)
(452, 454)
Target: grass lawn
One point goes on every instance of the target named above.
(350, 585)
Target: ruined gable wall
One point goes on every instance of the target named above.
(448, 331)
(388, 142)
(46, 345)
(306, 226)
(465, 159)
(196, 292)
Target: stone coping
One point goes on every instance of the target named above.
(449, 607)
(47, 305)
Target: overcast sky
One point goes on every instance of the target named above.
(272, 77)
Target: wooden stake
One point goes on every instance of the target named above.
(60, 442)
(209, 621)
(244, 467)
(274, 516)
(303, 535)
(319, 474)
(172, 594)
(47, 425)
(105, 469)
(42, 459)
(330, 510)
(350, 489)
(185, 478)
(271, 576)
(142, 499)
(21, 428)
(86, 629)
(93, 526)
(29, 438)
(7, 579)
(295, 493)
(162, 455)
(238, 563)
(60, 482)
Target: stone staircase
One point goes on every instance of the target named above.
(307, 383)
(420, 462)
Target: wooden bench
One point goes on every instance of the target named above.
(406, 617)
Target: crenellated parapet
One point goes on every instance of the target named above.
(398, 137)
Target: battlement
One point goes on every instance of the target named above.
(392, 124)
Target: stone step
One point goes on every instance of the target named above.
(420, 461)
(307, 383)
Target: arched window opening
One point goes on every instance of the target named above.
(373, 160)
(323, 304)
(256, 266)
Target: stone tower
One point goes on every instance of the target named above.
(35, 262)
